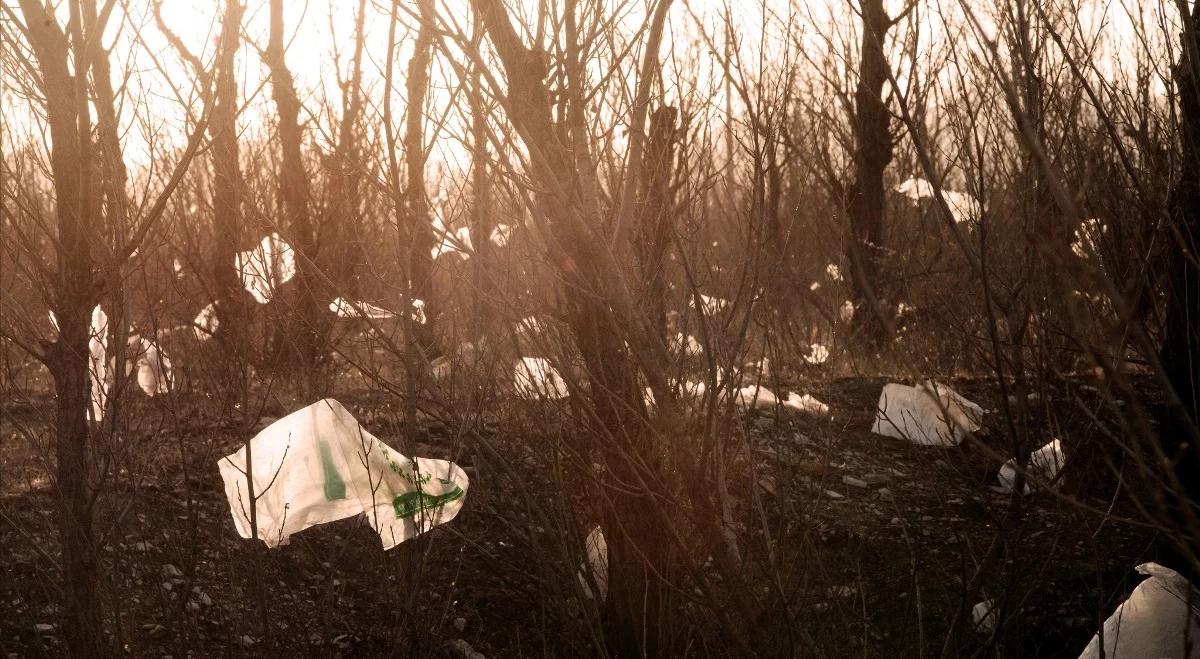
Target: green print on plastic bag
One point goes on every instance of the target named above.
(410, 503)
(335, 487)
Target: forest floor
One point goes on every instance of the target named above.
(889, 535)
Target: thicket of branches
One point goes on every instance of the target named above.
(637, 157)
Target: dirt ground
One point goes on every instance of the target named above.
(882, 537)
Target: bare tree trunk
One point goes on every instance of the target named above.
(481, 225)
(1180, 352)
(227, 185)
(343, 219)
(294, 190)
(872, 154)
(638, 610)
(66, 100)
(420, 230)
(655, 226)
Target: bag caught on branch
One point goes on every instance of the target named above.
(318, 465)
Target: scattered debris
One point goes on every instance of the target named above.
(536, 377)
(806, 404)
(597, 564)
(983, 614)
(855, 482)
(1155, 621)
(206, 323)
(817, 354)
(349, 309)
(319, 465)
(710, 305)
(932, 414)
(834, 272)
(266, 267)
(963, 207)
(1044, 463)
(501, 234)
(846, 312)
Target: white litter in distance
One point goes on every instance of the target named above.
(206, 322)
(347, 309)
(1045, 463)
(688, 345)
(710, 305)
(536, 377)
(153, 366)
(806, 404)
(266, 267)
(817, 354)
(97, 362)
(963, 207)
(756, 398)
(318, 465)
(846, 312)
(1087, 237)
(983, 614)
(834, 272)
(457, 242)
(178, 265)
(597, 564)
(1154, 622)
(916, 414)
(814, 286)
(501, 234)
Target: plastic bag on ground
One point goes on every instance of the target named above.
(153, 366)
(711, 305)
(266, 267)
(806, 404)
(318, 465)
(536, 377)
(817, 354)
(756, 398)
(1045, 463)
(351, 309)
(97, 362)
(597, 564)
(206, 322)
(1154, 622)
(963, 207)
(916, 414)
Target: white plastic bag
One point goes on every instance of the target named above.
(98, 362)
(916, 414)
(536, 377)
(206, 322)
(963, 207)
(318, 465)
(266, 267)
(1154, 621)
(597, 564)
(153, 366)
(806, 404)
(350, 309)
(1045, 463)
(756, 398)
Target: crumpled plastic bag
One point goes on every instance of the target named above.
(806, 404)
(318, 465)
(1154, 621)
(597, 564)
(351, 309)
(916, 414)
(206, 322)
(266, 267)
(963, 207)
(153, 366)
(536, 377)
(1045, 463)
(711, 305)
(97, 361)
